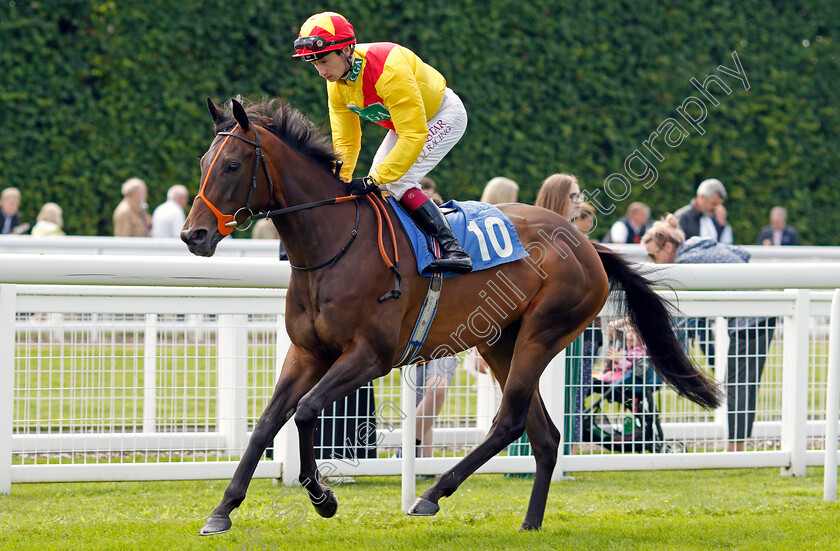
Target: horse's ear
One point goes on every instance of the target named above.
(240, 115)
(215, 112)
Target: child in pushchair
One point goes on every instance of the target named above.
(624, 418)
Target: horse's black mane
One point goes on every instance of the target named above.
(288, 124)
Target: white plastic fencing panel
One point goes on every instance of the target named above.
(140, 377)
(8, 306)
(833, 403)
(167, 383)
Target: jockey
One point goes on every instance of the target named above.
(388, 84)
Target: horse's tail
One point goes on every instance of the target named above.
(651, 316)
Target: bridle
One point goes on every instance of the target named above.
(226, 223)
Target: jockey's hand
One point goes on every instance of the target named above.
(361, 186)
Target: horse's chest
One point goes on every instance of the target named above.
(324, 326)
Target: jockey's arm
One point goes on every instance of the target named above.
(401, 96)
(346, 135)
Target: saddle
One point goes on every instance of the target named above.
(484, 231)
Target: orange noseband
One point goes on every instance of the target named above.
(222, 219)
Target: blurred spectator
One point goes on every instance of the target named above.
(433, 380)
(560, 193)
(698, 217)
(726, 235)
(264, 229)
(632, 226)
(778, 232)
(130, 216)
(749, 337)
(626, 353)
(49, 221)
(9, 205)
(169, 217)
(429, 188)
(500, 190)
(585, 219)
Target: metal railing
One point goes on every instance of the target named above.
(102, 245)
(137, 382)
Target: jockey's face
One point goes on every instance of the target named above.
(332, 66)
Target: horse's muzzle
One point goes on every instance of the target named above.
(199, 242)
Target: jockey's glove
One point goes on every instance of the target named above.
(361, 186)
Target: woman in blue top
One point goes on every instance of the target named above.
(749, 337)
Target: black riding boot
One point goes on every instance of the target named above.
(453, 257)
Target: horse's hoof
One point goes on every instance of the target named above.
(328, 505)
(215, 525)
(528, 527)
(423, 508)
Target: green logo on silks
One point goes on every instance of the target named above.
(355, 70)
(375, 112)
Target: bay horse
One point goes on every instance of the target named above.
(270, 157)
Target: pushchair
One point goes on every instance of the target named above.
(625, 418)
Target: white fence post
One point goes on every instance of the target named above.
(553, 392)
(150, 374)
(485, 401)
(286, 444)
(721, 340)
(832, 399)
(232, 381)
(8, 300)
(409, 430)
(795, 388)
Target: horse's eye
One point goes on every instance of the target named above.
(232, 167)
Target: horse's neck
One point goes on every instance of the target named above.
(312, 235)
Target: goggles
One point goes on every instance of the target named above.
(316, 44)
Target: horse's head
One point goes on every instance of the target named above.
(234, 182)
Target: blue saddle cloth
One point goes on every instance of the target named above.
(485, 233)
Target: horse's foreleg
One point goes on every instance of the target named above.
(354, 368)
(293, 383)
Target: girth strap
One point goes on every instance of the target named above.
(425, 318)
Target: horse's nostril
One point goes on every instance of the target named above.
(191, 238)
(198, 236)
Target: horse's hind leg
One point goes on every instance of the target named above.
(518, 385)
(297, 377)
(542, 434)
(545, 441)
(531, 354)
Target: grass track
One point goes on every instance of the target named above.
(666, 510)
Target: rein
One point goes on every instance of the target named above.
(227, 222)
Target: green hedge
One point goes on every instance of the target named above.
(93, 92)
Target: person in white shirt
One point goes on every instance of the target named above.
(169, 217)
(631, 227)
(726, 235)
